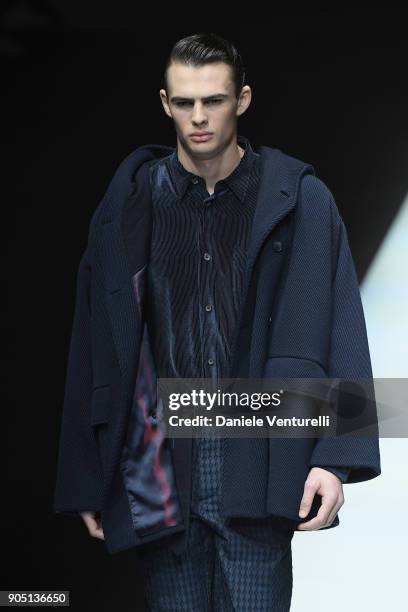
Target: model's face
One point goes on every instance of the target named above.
(202, 99)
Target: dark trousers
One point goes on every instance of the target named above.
(248, 568)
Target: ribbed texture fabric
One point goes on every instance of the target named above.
(196, 263)
(196, 274)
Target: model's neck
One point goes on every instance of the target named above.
(212, 169)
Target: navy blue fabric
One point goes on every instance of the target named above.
(246, 567)
(301, 316)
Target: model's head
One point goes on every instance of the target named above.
(203, 91)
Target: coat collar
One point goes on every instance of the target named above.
(278, 190)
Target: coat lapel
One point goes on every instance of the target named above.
(122, 266)
(122, 261)
(277, 195)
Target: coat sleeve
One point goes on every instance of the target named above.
(349, 358)
(79, 479)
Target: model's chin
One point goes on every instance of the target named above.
(206, 148)
(203, 145)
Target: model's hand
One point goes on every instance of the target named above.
(93, 522)
(330, 487)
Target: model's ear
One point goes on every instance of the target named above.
(164, 100)
(244, 99)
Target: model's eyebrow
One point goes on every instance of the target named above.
(181, 99)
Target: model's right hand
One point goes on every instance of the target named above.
(93, 522)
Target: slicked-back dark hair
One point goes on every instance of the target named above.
(207, 48)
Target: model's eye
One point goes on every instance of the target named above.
(186, 103)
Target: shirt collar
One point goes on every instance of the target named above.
(237, 180)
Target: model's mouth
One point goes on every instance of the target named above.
(200, 137)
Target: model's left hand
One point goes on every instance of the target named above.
(330, 487)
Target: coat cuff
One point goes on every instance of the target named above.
(341, 471)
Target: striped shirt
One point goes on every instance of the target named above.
(195, 283)
(197, 263)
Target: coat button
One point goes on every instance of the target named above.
(277, 245)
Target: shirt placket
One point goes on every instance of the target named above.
(205, 257)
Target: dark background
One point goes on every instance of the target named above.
(80, 87)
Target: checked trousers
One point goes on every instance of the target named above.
(241, 564)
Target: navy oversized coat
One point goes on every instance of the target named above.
(302, 316)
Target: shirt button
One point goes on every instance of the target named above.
(207, 256)
(194, 180)
(153, 418)
(208, 307)
(210, 361)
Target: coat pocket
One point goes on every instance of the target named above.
(282, 366)
(100, 405)
(307, 382)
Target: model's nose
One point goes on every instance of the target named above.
(198, 114)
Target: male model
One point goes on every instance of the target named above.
(210, 260)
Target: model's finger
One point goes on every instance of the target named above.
(307, 499)
(335, 510)
(322, 516)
